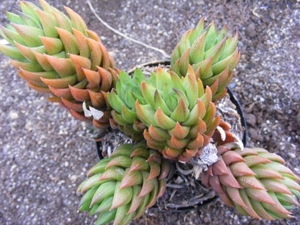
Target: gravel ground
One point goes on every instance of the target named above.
(45, 153)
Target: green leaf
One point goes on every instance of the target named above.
(181, 113)
(105, 190)
(211, 35)
(14, 18)
(184, 42)
(29, 8)
(160, 103)
(86, 199)
(197, 49)
(106, 217)
(205, 68)
(197, 31)
(30, 35)
(99, 167)
(49, 23)
(184, 62)
(122, 196)
(121, 216)
(11, 52)
(131, 178)
(128, 115)
(112, 173)
(11, 35)
(191, 87)
(228, 61)
(139, 163)
(105, 205)
(122, 150)
(215, 51)
(148, 93)
(121, 161)
(162, 78)
(163, 121)
(114, 101)
(230, 46)
(145, 114)
(91, 182)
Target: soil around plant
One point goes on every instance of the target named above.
(45, 153)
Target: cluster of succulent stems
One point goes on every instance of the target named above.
(171, 115)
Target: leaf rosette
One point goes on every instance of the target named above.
(120, 188)
(212, 55)
(175, 115)
(254, 181)
(59, 55)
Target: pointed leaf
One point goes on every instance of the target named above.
(60, 82)
(77, 22)
(114, 101)
(260, 195)
(112, 173)
(121, 161)
(250, 182)
(228, 61)
(249, 209)
(197, 49)
(239, 169)
(184, 62)
(11, 52)
(131, 178)
(105, 190)
(260, 210)
(139, 163)
(30, 35)
(91, 182)
(164, 121)
(180, 114)
(69, 41)
(148, 93)
(82, 43)
(145, 114)
(136, 202)
(148, 185)
(12, 36)
(105, 205)
(49, 23)
(99, 167)
(122, 196)
(215, 51)
(197, 31)
(106, 217)
(177, 143)
(158, 133)
(275, 186)
(96, 53)
(235, 196)
(63, 66)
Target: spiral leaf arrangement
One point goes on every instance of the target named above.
(171, 115)
(212, 55)
(59, 55)
(123, 186)
(254, 181)
(175, 115)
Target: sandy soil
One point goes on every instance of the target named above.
(45, 153)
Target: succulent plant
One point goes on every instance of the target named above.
(59, 55)
(175, 115)
(254, 181)
(172, 115)
(212, 55)
(123, 186)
